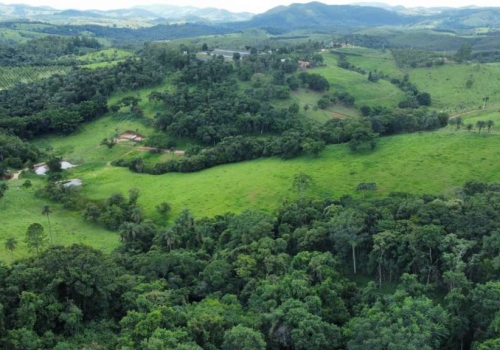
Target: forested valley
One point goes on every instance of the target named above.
(378, 266)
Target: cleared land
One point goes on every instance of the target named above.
(447, 85)
(20, 208)
(400, 163)
(381, 93)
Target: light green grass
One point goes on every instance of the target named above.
(18, 36)
(84, 146)
(106, 55)
(307, 97)
(20, 208)
(446, 85)
(13, 75)
(415, 163)
(380, 60)
(381, 93)
(473, 118)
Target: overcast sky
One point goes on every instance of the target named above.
(255, 6)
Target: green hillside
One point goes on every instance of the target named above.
(448, 85)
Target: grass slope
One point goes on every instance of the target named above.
(20, 208)
(381, 93)
(446, 84)
(371, 60)
(416, 163)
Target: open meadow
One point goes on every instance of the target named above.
(449, 89)
(380, 93)
(20, 208)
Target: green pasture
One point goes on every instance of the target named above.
(447, 85)
(381, 93)
(373, 60)
(416, 163)
(84, 146)
(110, 54)
(18, 36)
(21, 208)
(308, 97)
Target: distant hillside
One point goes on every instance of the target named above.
(180, 13)
(319, 15)
(147, 14)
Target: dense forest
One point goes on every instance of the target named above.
(262, 281)
(44, 50)
(385, 272)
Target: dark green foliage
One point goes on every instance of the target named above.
(42, 50)
(424, 99)
(406, 58)
(15, 153)
(62, 103)
(262, 281)
(3, 188)
(35, 237)
(464, 53)
(314, 81)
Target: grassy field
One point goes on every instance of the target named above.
(20, 208)
(446, 84)
(401, 163)
(18, 36)
(12, 75)
(84, 146)
(106, 55)
(381, 93)
(252, 37)
(371, 60)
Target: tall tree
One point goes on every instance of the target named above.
(47, 211)
(347, 228)
(302, 182)
(480, 125)
(35, 237)
(489, 125)
(11, 244)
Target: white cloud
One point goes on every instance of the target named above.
(255, 6)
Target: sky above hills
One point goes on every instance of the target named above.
(255, 6)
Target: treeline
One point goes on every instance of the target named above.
(62, 102)
(282, 281)
(406, 58)
(43, 51)
(138, 36)
(15, 153)
(290, 144)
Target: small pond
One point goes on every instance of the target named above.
(42, 170)
(74, 182)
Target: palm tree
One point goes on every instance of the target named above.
(451, 123)
(11, 244)
(129, 232)
(136, 215)
(47, 211)
(489, 124)
(169, 237)
(469, 127)
(480, 124)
